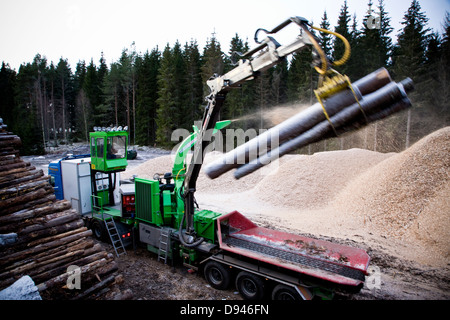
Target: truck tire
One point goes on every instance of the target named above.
(284, 292)
(250, 286)
(98, 229)
(217, 275)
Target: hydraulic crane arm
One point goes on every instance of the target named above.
(267, 54)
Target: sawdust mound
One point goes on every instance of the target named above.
(406, 196)
(311, 182)
(397, 195)
(147, 169)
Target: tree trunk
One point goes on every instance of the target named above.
(408, 129)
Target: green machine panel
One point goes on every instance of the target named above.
(147, 200)
(204, 223)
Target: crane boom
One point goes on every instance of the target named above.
(267, 54)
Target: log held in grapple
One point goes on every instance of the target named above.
(378, 97)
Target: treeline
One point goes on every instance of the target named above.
(156, 92)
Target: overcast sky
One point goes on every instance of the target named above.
(82, 29)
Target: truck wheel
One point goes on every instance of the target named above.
(98, 229)
(283, 292)
(217, 275)
(250, 286)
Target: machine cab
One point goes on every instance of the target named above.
(108, 150)
(108, 158)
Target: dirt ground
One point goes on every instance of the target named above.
(394, 206)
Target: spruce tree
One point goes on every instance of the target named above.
(343, 29)
(325, 39)
(376, 43)
(410, 52)
(171, 94)
(194, 85)
(147, 68)
(212, 62)
(7, 99)
(409, 59)
(238, 100)
(300, 84)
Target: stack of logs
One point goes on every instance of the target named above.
(41, 237)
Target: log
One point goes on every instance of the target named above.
(60, 263)
(43, 244)
(51, 253)
(23, 188)
(14, 166)
(7, 136)
(50, 221)
(25, 225)
(54, 270)
(6, 160)
(17, 170)
(95, 288)
(58, 280)
(83, 232)
(36, 212)
(16, 174)
(49, 262)
(381, 103)
(48, 198)
(21, 201)
(292, 127)
(24, 238)
(14, 141)
(22, 178)
(9, 151)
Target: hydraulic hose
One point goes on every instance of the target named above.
(181, 236)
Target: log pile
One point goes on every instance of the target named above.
(41, 236)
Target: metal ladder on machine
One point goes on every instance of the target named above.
(164, 244)
(114, 236)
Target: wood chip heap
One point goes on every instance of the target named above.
(41, 236)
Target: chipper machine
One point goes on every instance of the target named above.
(229, 248)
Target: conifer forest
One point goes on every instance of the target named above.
(50, 103)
